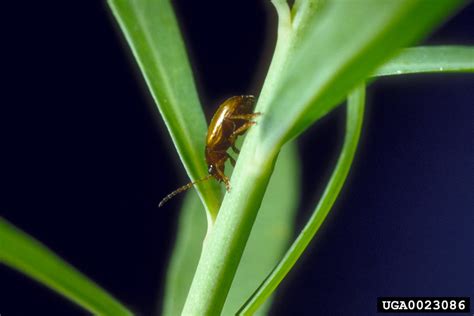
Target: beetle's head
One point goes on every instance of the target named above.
(212, 169)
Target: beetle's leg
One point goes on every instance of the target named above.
(241, 130)
(232, 160)
(220, 171)
(246, 117)
(232, 138)
(224, 179)
(227, 184)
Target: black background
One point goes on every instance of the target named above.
(85, 159)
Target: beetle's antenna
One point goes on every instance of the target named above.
(182, 189)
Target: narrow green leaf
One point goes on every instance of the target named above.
(429, 59)
(185, 256)
(268, 240)
(338, 47)
(21, 252)
(152, 33)
(355, 111)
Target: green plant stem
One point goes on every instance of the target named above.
(355, 110)
(225, 243)
(23, 253)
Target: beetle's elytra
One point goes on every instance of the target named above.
(232, 119)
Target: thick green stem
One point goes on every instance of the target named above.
(225, 244)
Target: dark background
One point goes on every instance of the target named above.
(84, 161)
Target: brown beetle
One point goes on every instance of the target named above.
(232, 119)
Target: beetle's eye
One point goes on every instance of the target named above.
(211, 169)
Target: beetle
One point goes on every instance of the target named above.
(232, 119)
